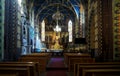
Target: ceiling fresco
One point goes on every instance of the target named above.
(44, 10)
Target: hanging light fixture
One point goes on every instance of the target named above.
(57, 28)
(57, 16)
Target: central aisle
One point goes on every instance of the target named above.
(56, 67)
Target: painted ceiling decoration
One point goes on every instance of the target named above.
(46, 8)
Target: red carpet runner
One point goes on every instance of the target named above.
(56, 63)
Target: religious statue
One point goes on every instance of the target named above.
(56, 45)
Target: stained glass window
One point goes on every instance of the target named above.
(43, 30)
(70, 30)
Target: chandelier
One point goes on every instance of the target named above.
(57, 28)
(57, 16)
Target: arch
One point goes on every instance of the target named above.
(48, 14)
(40, 10)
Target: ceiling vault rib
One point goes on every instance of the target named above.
(70, 8)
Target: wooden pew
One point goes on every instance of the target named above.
(67, 56)
(41, 58)
(101, 72)
(73, 60)
(18, 69)
(80, 67)
(41, 62)
(12, 74)
(36, 71)
(46, 56)
(42, 55)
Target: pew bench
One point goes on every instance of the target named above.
(101, 72)
(67, 56)
(10, 74)
(41, 58)
(41, 62)
(18, 68)
(80, 67)
(42, 55)
(72, 61)
(46, 56)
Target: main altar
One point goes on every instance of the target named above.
(56, 46)
(56, 37)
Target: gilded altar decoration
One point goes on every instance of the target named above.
(56, 45)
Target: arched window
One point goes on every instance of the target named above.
(70, 30)
(43, 30)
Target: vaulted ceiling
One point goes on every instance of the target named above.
(44, 9)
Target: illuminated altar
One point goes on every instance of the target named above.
(56, 46)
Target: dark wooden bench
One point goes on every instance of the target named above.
(73, 60)
(46, 56)
(42, 55)
(18, 68)
(67, 56)
(83, 68)
(10, 74)
(41, 58)
(101, 72)
(41, 62)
